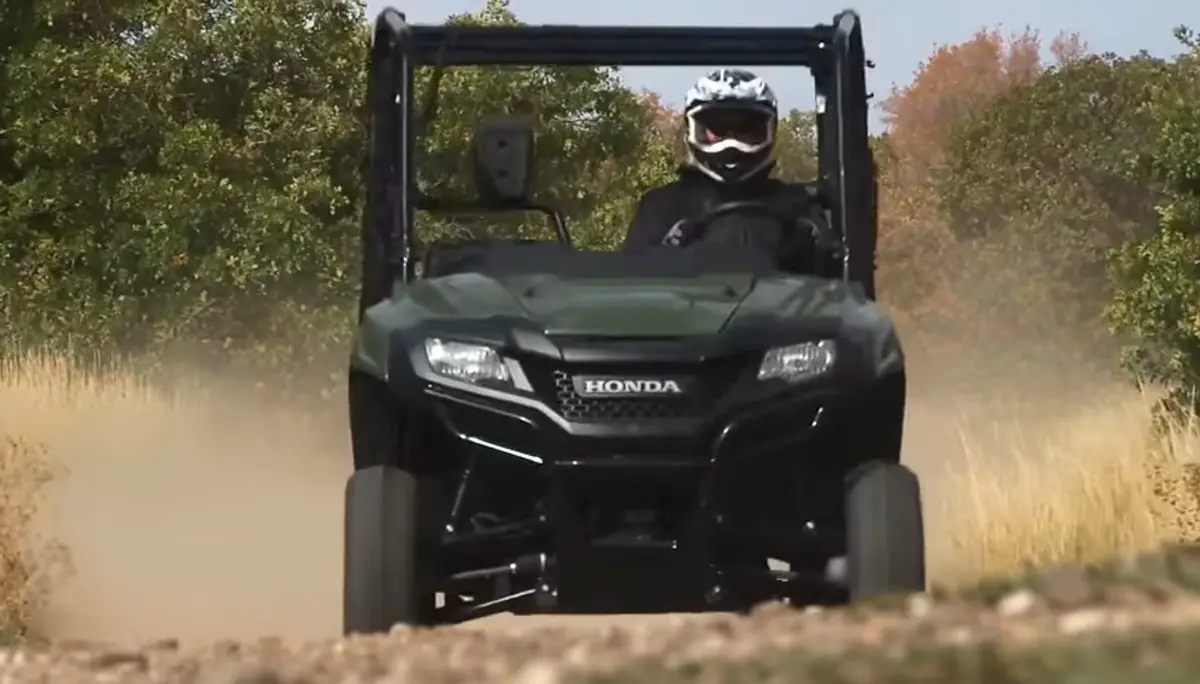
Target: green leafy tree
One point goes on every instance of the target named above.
(185, 166)
(917, 269)
(1037, 188)
(1157, 280)
(16, 34)
(796, 146)
(1063, 149)
(191, 171)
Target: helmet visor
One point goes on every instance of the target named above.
(748, 126)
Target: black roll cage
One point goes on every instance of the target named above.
(833, 53)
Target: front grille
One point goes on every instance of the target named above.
(709, 381)
(574, 407)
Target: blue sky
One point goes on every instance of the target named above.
(898, 34)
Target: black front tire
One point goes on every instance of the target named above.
(885, 532)
(386, 573)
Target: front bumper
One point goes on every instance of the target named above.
(756, 471)
(534, 431)
(738, 474)
(542, 420)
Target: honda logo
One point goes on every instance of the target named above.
(586, 386)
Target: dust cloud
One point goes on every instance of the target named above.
(222, 522)
(206, 520)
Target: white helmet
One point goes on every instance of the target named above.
(731, 119)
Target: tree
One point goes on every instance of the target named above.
(185, 166)
(191, 170)
(956, 83)
(1048, 177)
(16, 35)
(1065, 148)
(796, 146)
(1156, 304)
(620, 182)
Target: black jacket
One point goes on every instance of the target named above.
(663, 213)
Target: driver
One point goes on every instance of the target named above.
(731, 118)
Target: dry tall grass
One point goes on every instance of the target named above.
(1096, 482)
(1002, 491)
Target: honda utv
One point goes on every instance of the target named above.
(540, 428)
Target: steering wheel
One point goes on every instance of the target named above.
(696, 229)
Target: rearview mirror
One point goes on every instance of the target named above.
(504, 161)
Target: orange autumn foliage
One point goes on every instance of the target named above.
(955, 83)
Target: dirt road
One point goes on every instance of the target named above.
(1064, 629)
(195, 532)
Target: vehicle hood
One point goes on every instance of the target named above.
(627, 307)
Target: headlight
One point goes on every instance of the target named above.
(467, 362)
(798, 362)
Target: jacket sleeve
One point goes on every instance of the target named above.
(651, 221)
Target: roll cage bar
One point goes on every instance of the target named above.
(833, 53)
